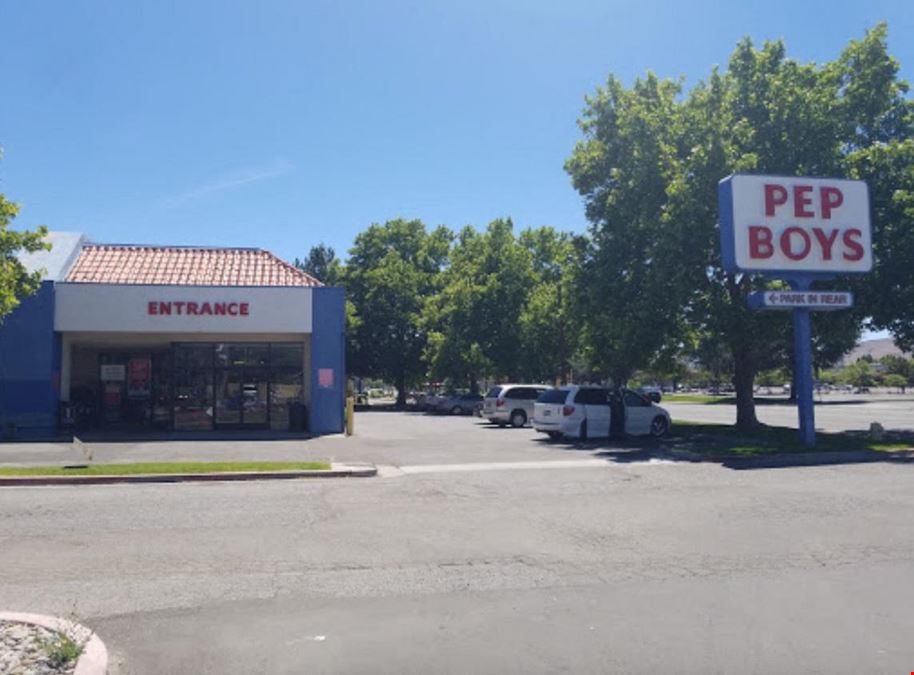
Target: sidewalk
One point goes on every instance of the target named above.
(202, 449)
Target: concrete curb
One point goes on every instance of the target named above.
(94, 658)
(337, 471)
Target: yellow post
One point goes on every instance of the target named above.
(350, 415)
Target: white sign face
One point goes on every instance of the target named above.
(809, 299)
(112, 373)
(181, 309)
(802, 225)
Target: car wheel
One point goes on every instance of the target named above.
(456, 410)
(659, 426)
(518, 419)
(583, 433)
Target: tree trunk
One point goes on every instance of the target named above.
(401, 390)
(743, 380)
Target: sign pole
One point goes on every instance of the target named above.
(802, 348)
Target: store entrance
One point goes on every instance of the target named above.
(242, 398)
(132, 391)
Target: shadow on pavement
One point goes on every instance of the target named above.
(696, 448)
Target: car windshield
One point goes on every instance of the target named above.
(553, 396)
(493, 392)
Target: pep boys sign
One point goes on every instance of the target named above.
(781, 225)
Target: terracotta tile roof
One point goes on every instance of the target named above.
(184, 266)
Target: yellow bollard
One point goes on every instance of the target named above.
(350, 415)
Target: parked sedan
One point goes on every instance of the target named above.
(596, 412)
(459, 404)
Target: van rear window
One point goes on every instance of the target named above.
(553, 396)
(493, 392)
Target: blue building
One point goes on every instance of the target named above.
(144, 338)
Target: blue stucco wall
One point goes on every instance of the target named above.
(30, 368)
(328, 350)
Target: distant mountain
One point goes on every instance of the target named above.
(875, 348)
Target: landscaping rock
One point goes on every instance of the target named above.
(24, 649)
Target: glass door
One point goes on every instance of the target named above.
(242, 397)
(229, 399)
(254, 388)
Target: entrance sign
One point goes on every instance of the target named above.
(780, 225)
(134, 308)
(821, 300)
(798, 229)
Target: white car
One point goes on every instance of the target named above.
(595, 412)
(511, 403)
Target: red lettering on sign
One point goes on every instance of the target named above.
(831, 198)
(760, 246)
(786, 239)
(801, 201)
(825, 241)
(850, 241)
(191, 308)
(775, 195)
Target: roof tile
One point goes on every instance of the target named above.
(184, 266)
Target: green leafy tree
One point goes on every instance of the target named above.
(15, 281)
(648, 169)
(900, 367)
(548, 329)
(897, 381)
(392, 269)
(476, 318)
(322, 264)
(889, 294)
(859, 374)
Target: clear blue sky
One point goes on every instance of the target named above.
(284, 124)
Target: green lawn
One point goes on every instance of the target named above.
(162, 468)
(725, 439)
(693, 398)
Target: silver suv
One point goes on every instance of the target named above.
(511, 403)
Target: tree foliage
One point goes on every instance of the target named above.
(391, 272)
(648, 169)
(322, 264)
(15, 281)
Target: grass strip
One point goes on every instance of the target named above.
(717, 439)
(693, 398)
(162, 468)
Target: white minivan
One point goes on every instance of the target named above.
(511, 403)
(585, 412)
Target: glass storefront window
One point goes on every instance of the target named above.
(194, 356)
(193, 400)
(202, 386)
(287, 355)
(242, 354)
(286, 392)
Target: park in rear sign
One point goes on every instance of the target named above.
(819, 300)
(799, 226)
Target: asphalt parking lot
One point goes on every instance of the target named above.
(478, 549)
(628, 567)
(413, 438)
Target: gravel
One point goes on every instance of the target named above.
(23, 651)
